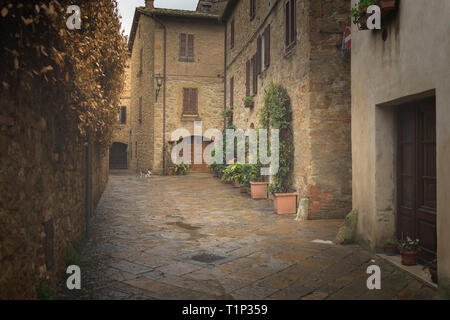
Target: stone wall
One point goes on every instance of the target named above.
(42, 187)
(317, 80)
(121, 132)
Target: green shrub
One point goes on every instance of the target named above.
(44, 290)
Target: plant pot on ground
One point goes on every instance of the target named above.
(170, 171)
(390, 248)
(432, 269)
(408, 249)
(258, 190)
(285, 203)
(243, 189)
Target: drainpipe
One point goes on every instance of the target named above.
(225, 76)
(164, 92)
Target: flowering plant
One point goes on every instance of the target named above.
(408, 245)
(360, 9)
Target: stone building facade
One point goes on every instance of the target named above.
(302, 53)
(183, 52)
(121, 136)
(401, 132)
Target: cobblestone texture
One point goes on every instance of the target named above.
(147, 230)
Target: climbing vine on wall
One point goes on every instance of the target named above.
(276, 113)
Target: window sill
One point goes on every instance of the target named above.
(190, 117)
(186, 59)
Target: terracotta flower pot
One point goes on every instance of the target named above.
(409, 258)
(170, 171)
(387, 6)
(390, 249)
(235, 184)
(434, 275)
(285, 203)
(243, 189)
(258, 190)
(249, 104)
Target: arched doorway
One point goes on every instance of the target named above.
(118, 156)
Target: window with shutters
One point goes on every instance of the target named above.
(232, 92)
(232, 34)
(190, 101)
(255, 74)
(140, 110)
(186, 47)
(247, 78)
(252, 9)
(290, 24)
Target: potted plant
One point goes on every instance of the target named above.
(276, 113)
(390, 248)
(228, 115)
(408, 249)
(387, 7)
(244, 178)
(248, 102)
(180, 169)
(359, 13)
(432, 269)
(232, 173)
(170, 171)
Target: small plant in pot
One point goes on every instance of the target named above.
(359, 13)
(432, 268)
(408, 249)
(390, 248)
(248, 102)
(170, 171)
(232, 174)
(180, 169)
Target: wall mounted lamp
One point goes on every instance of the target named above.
(159, 83)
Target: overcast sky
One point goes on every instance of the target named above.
(127, 7)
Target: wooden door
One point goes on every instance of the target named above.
(416, 167)
(118, 156)
(198, 152)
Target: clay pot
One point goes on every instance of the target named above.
(409, 258)
(285, 203)
(235, 184)
(390, 249)
(170, 171)
(249, 104)
(243, 190)
(387, 7)
(434, 275)
(258, 190)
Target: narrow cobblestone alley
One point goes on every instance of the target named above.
(194, 237)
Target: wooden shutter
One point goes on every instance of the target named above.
(231, 92)
(255, 74)
(190, 52)
(252, 9)
(140, 109)
(259, 54)
(186, 100)
(293, 29)
(141, 53)
(182, 45)
(287, 24)
(194, 100)
(123, 115)
(247, 78)
(267, 46)
(232, 34)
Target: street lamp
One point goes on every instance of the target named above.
(159, 82)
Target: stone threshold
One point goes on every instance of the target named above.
(415, 271)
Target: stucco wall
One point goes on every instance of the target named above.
(411, 62)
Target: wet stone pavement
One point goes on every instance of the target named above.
(194, 237)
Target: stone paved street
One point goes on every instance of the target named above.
(194, 237)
